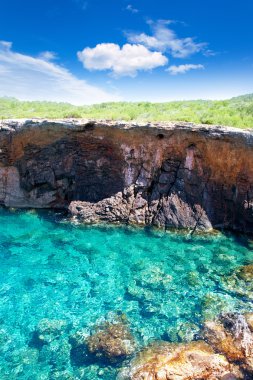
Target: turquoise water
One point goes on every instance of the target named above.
(164, 283)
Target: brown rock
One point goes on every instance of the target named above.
(114, 209)
(191, 361)
(223, 341)
(246, 273)
(231, 336)
(112, 340)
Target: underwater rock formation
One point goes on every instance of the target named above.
(164, 174)
(240, 282)
(48, 344)
(112, 341)
(246, 273)
(48, 330)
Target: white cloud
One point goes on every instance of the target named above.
(125, 61)
(48, 55)
(3, 70)
(165, 39)
(130, 8)
(5, 45)
(29, 78)
(209, 53)
(182, 69)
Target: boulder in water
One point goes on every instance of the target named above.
(232, 336)
(112, 340)
(190, 361)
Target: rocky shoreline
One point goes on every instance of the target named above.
(167, 175)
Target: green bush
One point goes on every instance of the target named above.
(237, 112)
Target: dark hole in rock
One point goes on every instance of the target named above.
(160, 136)
(89, 126)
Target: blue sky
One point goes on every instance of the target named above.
(90, 51)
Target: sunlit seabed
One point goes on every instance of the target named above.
(165, 283)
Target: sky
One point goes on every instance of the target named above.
(93, 51)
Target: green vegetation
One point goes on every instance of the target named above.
(237, 112)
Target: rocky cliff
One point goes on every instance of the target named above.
(167, 175)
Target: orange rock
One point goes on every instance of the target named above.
(222, 341)
(191, 361)
(231, 335)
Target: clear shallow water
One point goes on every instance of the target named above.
(165, 284)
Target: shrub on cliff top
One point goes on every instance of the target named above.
(237, 112)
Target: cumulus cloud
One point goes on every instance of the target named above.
(37, 78)
(182, 69)
(131, 9)
(164, 39)
(121, 61)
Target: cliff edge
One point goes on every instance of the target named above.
(163, 174)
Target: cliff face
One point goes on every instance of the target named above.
(166, 175)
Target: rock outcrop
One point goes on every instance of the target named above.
(231, 335)
(167, 175)
(190, 361)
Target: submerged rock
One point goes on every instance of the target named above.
(79, 338)
(187, 331)
(5, 340)
(191, 361)
(214, 303)
(240, 282)
(62, 375)
(112, 341)
(193, 279)
(57, 353)
(47, 331)
(246, 273)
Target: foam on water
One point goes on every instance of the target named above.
(165, 284)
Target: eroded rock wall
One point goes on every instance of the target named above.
(166, 175)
